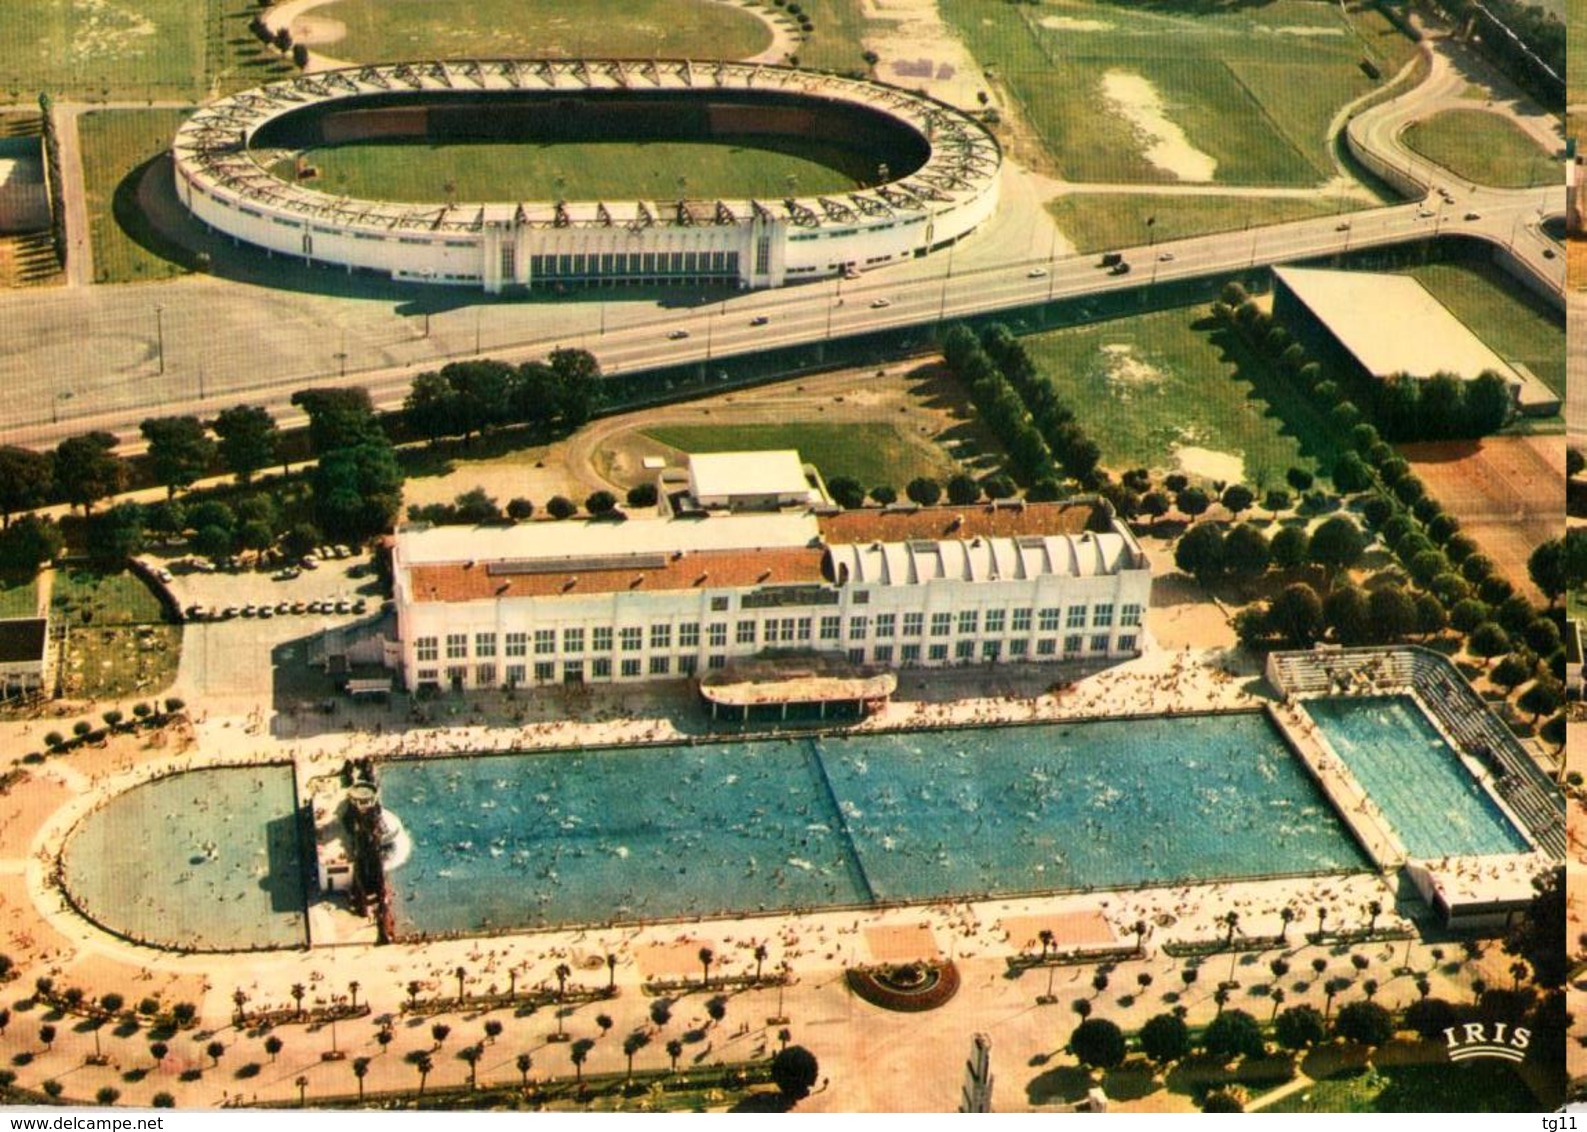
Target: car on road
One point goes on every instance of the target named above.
(308, 562)
(1111, 259)
(1120, 268)
(759, 320)
(675, 335)
(1165, 257)
(163, 574)
(877, 304)
(1548, 253)
(1424, 213)
(1342, 226)
(266, 612)
(1473, 216)
(1036, 273)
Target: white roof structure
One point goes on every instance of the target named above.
(724, 474)
(598, 538)
(919, 561)
(1392, 324)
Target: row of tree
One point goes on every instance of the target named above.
(464, 399)
(1403, 408)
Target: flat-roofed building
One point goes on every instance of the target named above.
(669, 596)
(753, 481)
(24, 655)
(1390, 325)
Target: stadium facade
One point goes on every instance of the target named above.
(936, 173)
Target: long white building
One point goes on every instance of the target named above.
(672, 596)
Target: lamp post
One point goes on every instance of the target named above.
(159, 335)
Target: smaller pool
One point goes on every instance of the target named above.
(1424, 790)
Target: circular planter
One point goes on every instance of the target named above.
(907, 987)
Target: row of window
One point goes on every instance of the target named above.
(1072, 646)
(779, 630)
(581, 264)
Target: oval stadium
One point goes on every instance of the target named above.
(934, 172)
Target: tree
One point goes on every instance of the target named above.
(471, 1055)
(561, 507)
(1392, 613)
(1346, 612)
(440, 1031)
(884, 494)
(431, 409)
(1097, 1044)
(423, 1064)
(1536, 935)
(1233, 1033)
(1430, 1017)
(1488, 640)
(632, 1044)
(1546, 566)
(47, 1035)
(1365, 1023)
(248, 439)
(86, 469)
(1237, 498)
(642, 495)
(1297, 615)
(521, 510)
(1299, 1027)
(214, 1050)
(357, 490)
(924, 491)
(107, 1096)
(161, 1099)
(1165, 1038)
(180, 451)
(1289, 547)
(25, 479)
(963, 490)
(1510, 673)
(524, 1062)
(339, 418)
(1224, 1099)
(578, 385)
(29, 543)
(273, 1046)
(1542, 698)
(115, 535)
(794, 1070)
(675, 1051)
(1337, 544)
(578, 1053)
(1299, 479)
(706, 957)
(1350, 474)
(1245, 552)
(1200, 552)
(1192, 501)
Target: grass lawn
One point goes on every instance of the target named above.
(587, 170)
(383, 30)
(1518, 327)
(122, 647)
(1474, 1086)
(872, 453)
(1483, 148)
(1252, 87)
(1145, 385)
(111, 599)
(19, 597)
(1096, 222)
(115, 143)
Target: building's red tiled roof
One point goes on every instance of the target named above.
(704, 569)
(979, 521)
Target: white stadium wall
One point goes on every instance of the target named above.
(495, 245)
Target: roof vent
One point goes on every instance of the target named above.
(639, 580)
(704, 574)
(569, 584)
(764, 574)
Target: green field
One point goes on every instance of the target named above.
(1483, 148)
(1253, 87)
(117, 643)
(1096, 222)
(579, 170)
(1517, 326)
(384, 30)
(1474, 1086)
(131, 48)
(872, 453)
(115, 143)
(1143, 385)
(19, 598)
(110, 599)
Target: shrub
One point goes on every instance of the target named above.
(561, 507)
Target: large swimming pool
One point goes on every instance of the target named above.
(541, 839)
(1423, 789)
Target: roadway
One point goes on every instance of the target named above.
(107, 357)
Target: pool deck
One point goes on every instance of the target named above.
(873, 1058)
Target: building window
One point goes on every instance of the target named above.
(1099, 642)
(1021, 621)
(545, 642)
(1047, 646)
(861, 597)
(687, 665)
(1130, 614)
(964, 650)
(427, 675)
(856, 656)
(967, 620)
(517, 644)
(631, 666)
(456, 646)
(994, 621)
(719, 605)
(716, 661)
(1126, 642)
(1076, 618)
(1102, 615)
(914, 623)
(661, 636)
(1049, 620)
(831, 628)
(484, 644)
(746, 632)
(991, 650)
(885, 624)
(515, 675)
(485, 676)
(660, 665)
(601, 638)
(780, 630)
(689, 635)
(804, 629)
(718, 634)
(545, 671)
(456, 675)
(428, 648)
(1072, 643)
(909, 654)
(1019, 647)
(572, 671)
(941, 624)
(857, 628)
(633, 638)
(937, 654)
(573, 640)
(884, 654)
(601, 667)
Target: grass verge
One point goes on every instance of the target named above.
(1096, 222)
(117, 146)
(871, 453)
(1482, 148)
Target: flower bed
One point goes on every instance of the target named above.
(909, 987)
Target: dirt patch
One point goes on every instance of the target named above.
(902, 943)
(1163, 143)
(1125, 371)
(1302, 30)
(1503, 489)
(1071, 23)
(317, 31)
(24, 934)
(919, 52)
(1204, 463)
(25, 809)
(1070, 930)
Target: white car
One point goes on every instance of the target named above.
(1165, 257)
(877, 304)
(677, 334)
(1036, 273)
